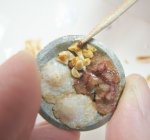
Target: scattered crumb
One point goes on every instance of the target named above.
(143, 59)
(33, 46)
(126, 61)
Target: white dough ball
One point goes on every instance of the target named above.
(75, 110)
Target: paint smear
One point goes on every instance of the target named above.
(143, 59)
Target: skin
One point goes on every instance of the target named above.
(20, 101)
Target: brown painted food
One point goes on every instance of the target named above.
(100, 82)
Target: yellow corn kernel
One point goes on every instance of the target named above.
(79, 65)
(74, 47)
(87, 53)
(91, 48)
(75, 73)
(86, 62)
(74, 61)
(63, 57)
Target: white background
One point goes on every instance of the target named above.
(49, 19)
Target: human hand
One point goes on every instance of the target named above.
(131, 120)
(20, 101)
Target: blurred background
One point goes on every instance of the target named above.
(22, 21)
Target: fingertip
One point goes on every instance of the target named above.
(135, 78)
(135, 88)
(47, 131)
(19, 95)
(21, 71)
(131, 115)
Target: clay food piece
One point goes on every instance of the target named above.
(82, 84)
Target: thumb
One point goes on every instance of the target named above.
(131, 120)
(19, 97)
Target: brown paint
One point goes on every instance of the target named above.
(145, 59)
(100, 82)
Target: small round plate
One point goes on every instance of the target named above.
(51, 51)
